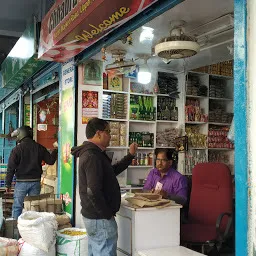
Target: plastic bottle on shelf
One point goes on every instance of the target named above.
(146, 160)
(150, 159)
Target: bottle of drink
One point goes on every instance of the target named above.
(146, 160)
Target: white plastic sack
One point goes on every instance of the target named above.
(72, 245)
(38, 229)
(26, 249)
(8, 247)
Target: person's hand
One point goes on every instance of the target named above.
(55, 144)
(133, 148)
(164, 194)
(8, 190)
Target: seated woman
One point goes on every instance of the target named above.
(165, 180)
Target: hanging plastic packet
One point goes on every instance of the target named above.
(231, 133)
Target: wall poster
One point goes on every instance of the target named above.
(89, 105)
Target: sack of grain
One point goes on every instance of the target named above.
(72, 241)
(62, 219)
(26, 249)
(8, 247)
(38, 229)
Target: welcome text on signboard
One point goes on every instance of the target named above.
(96, 29)
(60, 12)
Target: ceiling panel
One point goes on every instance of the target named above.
(194, 13)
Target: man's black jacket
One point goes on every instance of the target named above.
(25, 161)
(98, 186)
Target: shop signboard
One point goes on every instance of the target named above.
(73, 25)
(27, 114)
(22, 62)
(67, 134)
(3, 91)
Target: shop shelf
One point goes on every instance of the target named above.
(220, 99)
(164, 147)
(111, 91)
(166, 121)
(115, 120)
(142, 94)
(219, 124)
(196, 122)
(142, 121)
(221, 149)
(163, 95)
(146, 148)
(196, 97)
(191, 148)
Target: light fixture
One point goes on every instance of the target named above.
(144, 74)
(147, 35)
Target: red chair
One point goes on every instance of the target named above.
(210, 208)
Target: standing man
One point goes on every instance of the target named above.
(25, 162)
(165, 180)
(99, 189)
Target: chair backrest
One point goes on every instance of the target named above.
(211, 193)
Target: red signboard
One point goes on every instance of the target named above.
(73, 25)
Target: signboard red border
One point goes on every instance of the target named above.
(73, 25)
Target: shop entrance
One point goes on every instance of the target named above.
(158, 99)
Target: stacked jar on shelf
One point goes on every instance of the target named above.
(143, 139)
(166, 109)
(143, 159)
(142, 108)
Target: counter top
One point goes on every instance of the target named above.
(175, 250)
(127, 205)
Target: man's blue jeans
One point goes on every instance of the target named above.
(21, 190)
(102, 236)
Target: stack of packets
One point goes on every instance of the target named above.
(114, 106)
(118, 131)
(141, 200)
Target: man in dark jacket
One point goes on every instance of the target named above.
(99, 189)
(25, 162)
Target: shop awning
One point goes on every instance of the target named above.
(71, 25)
(22, 62)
